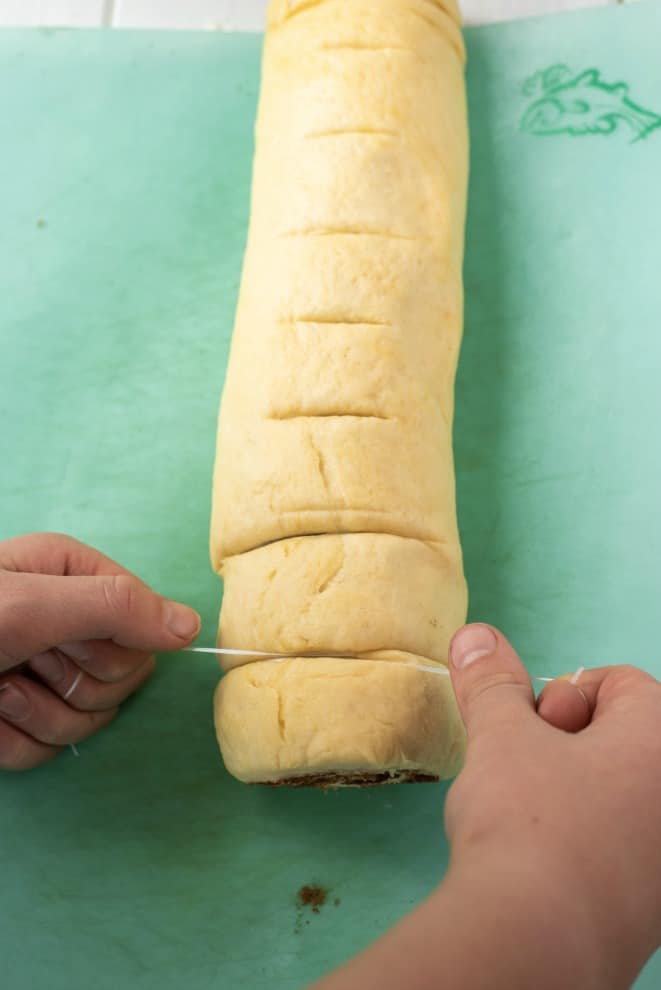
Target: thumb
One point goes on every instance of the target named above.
(492, 686)
(40, 611)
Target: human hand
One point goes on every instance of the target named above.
(77, 637)
(577, 812)
(554, 824)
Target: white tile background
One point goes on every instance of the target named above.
(225, 15)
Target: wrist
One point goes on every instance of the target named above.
(529, 915)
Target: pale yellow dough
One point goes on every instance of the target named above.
(334, 522)
(337, 717)
(351, 593)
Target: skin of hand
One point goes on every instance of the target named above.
(77, 637)
(553, 824)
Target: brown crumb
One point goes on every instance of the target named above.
(336, 902)
(312, 896)
(41, 222)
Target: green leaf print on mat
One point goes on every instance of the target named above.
(563, 103)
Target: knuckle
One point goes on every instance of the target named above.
(50, 550)
(51, 539)
(113, 665)
(120, 592)
(124, 665)
(90, 702)
(115, 672)
(108, 671)
(498, 679)
(645, 679)
(83, 698)
(626, 676)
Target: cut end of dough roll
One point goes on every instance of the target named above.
(288, 722)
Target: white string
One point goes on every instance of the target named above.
(235, 653)
(282, 657)
(73, 686)
(397, 663)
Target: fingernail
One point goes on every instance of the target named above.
(49, 666)
(13, 703)
(77, 651)
(181, 620)
(471, 643)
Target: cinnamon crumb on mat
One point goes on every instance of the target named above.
(312, 896)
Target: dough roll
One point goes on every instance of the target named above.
(333, 522)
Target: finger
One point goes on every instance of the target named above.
(57, 554)
(606, 692)
(618, 691)
(82, 691)
(492, 686)
(21, 752)
(39, 611)
(565, 705)
(103, 659)
(39, 713)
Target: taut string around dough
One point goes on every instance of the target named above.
(261, 655)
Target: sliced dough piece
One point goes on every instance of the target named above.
(337, 722)
(343, 593)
